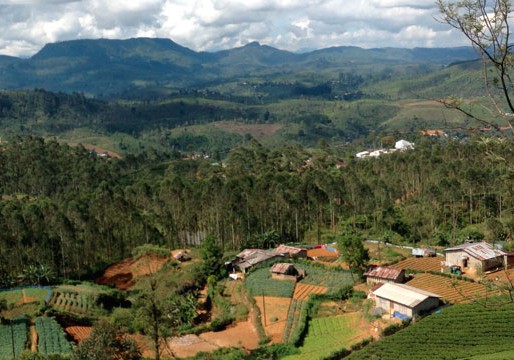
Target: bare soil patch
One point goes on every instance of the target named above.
(33, 338)
(256, 130)
(26, 299)
(273, 315)
(123, 273)
(78, 333)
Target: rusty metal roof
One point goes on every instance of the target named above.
(383, 272)
(285, 249)
(281, 268)
(481, 251)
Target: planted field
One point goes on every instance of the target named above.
(17, 331)
(52, 339)
(260, 283)
(462, 331)
(452, 290)
(420, 264)
(330, 278)
(293, 319)
(328, 334)
(72, 301)
(302, 291)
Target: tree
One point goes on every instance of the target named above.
(107, 342)
(485, 24)
(353, 253)
(212, 256)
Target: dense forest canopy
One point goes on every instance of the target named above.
(68, 209)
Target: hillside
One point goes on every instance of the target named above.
(107, 67)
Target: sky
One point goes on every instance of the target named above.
(212, 25)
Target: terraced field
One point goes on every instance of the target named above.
(302, 291)
(452, 290)
(420, 264)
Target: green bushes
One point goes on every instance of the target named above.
(260, 283)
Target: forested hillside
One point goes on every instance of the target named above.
(73, 211)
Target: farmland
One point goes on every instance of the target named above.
(328, 334)
(420, 264)
(51, 337)
(451, 290)
(26, 295)
(458, 332)
(17, 331)
(259, 283)
(302, 291)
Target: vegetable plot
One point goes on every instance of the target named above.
(17, 331)
(52, 339)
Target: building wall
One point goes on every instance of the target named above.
(454, 258)
(371, 280)
(390, 307)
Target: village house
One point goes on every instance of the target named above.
(248, 258)
(403, 301)
(291, 251)
(285, 271)
(475, 257)
(384, 274)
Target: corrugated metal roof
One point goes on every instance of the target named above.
(481, 251)
(285, 249)
(250, 257)
(281, 268)
(403, 294)
(384, 272)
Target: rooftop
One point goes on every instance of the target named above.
(480, 251)
(403, 294)
(383, 272)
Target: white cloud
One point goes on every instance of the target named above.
(217, 24)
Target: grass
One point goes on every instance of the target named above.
(15, 295)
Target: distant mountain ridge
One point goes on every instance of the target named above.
(102, 66)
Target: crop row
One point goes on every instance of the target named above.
(302, 291)
(330, 278)
(293, 318)
(16, 331)
(71, 302)
(460, 331)
(51, 337)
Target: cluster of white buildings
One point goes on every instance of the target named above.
(400, 145)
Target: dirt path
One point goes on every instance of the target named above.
(33, 338)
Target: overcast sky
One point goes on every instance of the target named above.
(295, 25)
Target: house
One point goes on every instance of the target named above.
(248, 258)
(285, 271)
(384, 274)
(291, 251)
(404, 301)
(475, 257)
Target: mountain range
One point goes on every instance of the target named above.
(104, 67)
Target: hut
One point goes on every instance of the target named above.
(284, 271)
(475, 257)
(384, 274)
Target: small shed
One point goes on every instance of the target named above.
(475, 257)
(284, 271)
(384, 274)
(423, 252)
(402, 300)
(291, 251)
